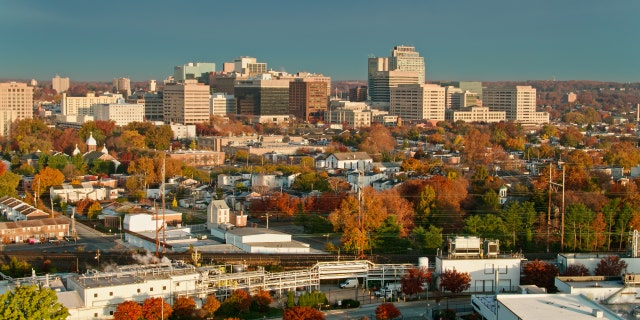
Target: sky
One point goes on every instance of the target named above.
(488, 40)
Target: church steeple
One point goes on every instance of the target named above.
(91, 143)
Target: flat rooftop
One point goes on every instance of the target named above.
(553, 306)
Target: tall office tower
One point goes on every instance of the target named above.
(83, 106)
(374, 66)
(262, 99)
(308, 99)
(122, 85)
(152, 102)
(152, 86)
(186, 102)
(381, 83)
(222, 104)
(121, 113)
(16, 103)
(60, 85)
(518, 102)
(194, 71)
(406, 58)
(418, 102)
(249, 66)
(358, 94)
(449, 91)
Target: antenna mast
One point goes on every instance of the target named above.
(164, 223)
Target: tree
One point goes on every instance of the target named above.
(156, 309)
(94, 210)
(302, 313)
(414, 280)
(31, 302)
(238, 302)
(610, 266)
(540, 273)
(425, 205)
(387, 311)
(128, 310)
(9, 182)
(211, 305)
(45, 179)
(183, 308)
(261, 300)
(159, 138)
(454, 281)
(576, 270)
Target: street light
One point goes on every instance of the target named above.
(97, 257)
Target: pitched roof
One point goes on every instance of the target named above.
(341, 156)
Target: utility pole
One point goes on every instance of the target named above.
(549, 211)
(562, 216)
(164, 222)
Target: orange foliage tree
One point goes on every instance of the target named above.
(46, 178)
(211, 305)
(302, 313)
(156, 309)
(454, 281)
(387, 311)
(262, 300)
(239, 301)
(183, 308)
(128, 310)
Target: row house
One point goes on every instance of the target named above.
(71, 193)
(21, 231)
(17, 210)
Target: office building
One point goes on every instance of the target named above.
(471, 86)
(198, 71)
(518, 102)
(381, 83)
(222, 104)
(475, 114)
(152, 86)
(152, 102)
(308, 99)
(121, 113)
(350, 114)
(16, 103)
(406, 58)
(262, 99)
(358, 94)
(122, 85)
(60, 85)
(186, 102)
(450, 91)
(418, 102)
(248, 66)
(225, 82)
(84, 105)
(464, 99)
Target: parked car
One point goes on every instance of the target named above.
(349, 283)
(33, 240)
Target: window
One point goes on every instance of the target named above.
(151, 289)
(488, 268)
(95, 315)
(502, 269)
(164, 288)
(95, 295)
(177, 284)
(111, 294)
(138, 290)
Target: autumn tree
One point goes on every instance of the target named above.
(356, 220)
(424, 205)
(156, 309)
(540, 273)
(9, 182)
(302, 313)
(610, 266)
(378, 140)
(261, 301)
(31, 302)
(414, 281)
(387, 311)
(128, 310)
(578, 269)
(94, 210)
(454, 281)
(238, 302)
(211, 305)
(183, 308)
(45, 179)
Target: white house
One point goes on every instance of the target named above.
(349, 160)
(86, 190)
(259, 240)
(140, 222)
(218, 215)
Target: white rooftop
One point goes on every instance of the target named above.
(553, 306)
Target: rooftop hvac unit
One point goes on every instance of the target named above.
(492, 248)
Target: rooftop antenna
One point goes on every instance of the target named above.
(164, 157)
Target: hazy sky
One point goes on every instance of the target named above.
(460, 40)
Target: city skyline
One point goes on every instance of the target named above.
(485, 41)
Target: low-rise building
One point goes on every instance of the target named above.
(17, 210)
(23, 230)
(349, 160)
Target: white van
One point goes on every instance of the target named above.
(349, 283)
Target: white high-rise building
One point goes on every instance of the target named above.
(16, 103)
(60, 85)
(78, 106)
(186, 102)
(222, 104)
(121, 113)
(418, 102)
(406, 58)
(518, 103)
(152, 86)
(249, 66)
(381, 82)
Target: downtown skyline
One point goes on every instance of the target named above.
(459, 40)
